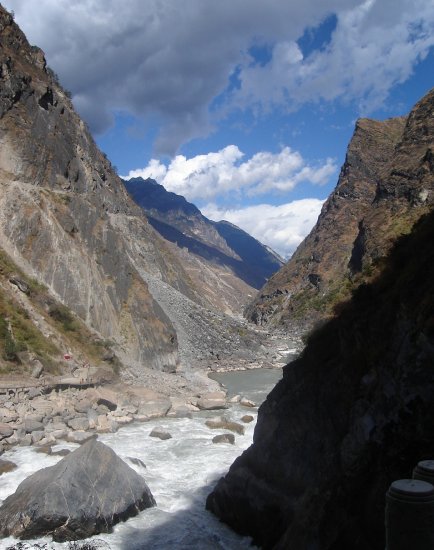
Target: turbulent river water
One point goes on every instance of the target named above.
(180, 472)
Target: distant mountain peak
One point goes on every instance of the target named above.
(222, 242)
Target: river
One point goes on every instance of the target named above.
(180, 472)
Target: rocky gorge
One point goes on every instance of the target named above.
(111, 319)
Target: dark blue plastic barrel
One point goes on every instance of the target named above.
(410, 515)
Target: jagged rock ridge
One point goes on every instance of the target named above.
(220, 248)
(385, 185)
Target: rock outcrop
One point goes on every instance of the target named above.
(352, 414)
(385, 185)
(86, 493)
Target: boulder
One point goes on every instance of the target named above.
(160, 434)
(212, 401)
(247, 418)
(154, 408)
(79, 423)
(55, 426)
(34, 392)
(224, 424)
(5, 431)
(7, 415)
(181, 409)
(246, 402)
(32, 425)
(84, 494)
(224, 438)
(83, 406)
(106, 424)
(7, 466)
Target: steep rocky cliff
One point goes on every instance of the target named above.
(61, 204)
(67, 222)
(352, 414)
(226, 263)
(385, 185)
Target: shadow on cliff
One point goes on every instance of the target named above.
(351, 415)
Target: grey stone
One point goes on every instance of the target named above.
(32, 425)
(33, 392)
(106, 424)
(154, 408)
(55, 426)
(224, 438)
(5, 431)
(25, 440)
(86, 493)
(160, 434)
(37, 436)
(212, 401)
(7, 466)
(79, 423)
(247, 402)
(83, 406)
(224, 424)
(7, 415)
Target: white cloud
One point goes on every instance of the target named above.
(222, 173)
(281, 227)
(374, 46)
(169, 60)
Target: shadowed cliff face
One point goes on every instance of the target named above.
(385, 185)
(66, 218)
(352, 414)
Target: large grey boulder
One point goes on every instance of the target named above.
(212, 401)
(86, 493)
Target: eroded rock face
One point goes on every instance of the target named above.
(68, 220)
(351, 415)
(385, 185)
(86, 493)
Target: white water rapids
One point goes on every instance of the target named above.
(180, 472)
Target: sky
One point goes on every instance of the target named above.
(245, 107)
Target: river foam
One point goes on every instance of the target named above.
(180, 472)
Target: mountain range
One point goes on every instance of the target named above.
(242, 262)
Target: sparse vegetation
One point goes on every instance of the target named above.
(18, 332)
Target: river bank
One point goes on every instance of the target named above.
(180, 472)
(92, 401)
